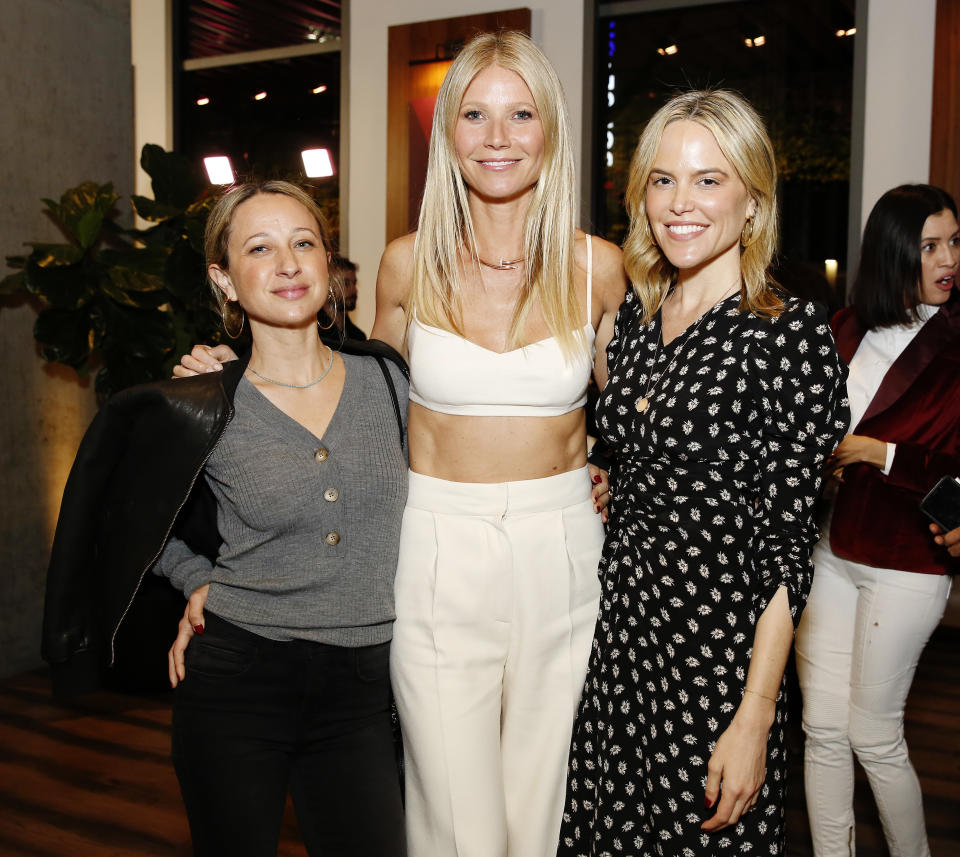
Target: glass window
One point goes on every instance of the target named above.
(259, 83)
(794, 61)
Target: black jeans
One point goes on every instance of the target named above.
(255, 717)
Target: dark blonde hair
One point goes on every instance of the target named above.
(445, 232)
(743, 139)
(217, 234)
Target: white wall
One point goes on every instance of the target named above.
(151, 41)
(559, 33)
(895, 81)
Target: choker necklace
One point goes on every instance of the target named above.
(503, 264)
(643, 402)
(297, 386)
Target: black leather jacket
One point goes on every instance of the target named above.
(133, 483)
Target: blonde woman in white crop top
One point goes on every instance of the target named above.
(497, 587)
(502, 308)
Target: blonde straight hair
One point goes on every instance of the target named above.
(445, 235)
(743, 139)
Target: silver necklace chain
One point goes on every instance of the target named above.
(297, 386)
(643, 402)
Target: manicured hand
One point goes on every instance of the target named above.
(203, 358)
(737, 768)
(190, 624)
(600, 492)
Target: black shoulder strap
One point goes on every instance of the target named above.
(381, 362)
(381, 352)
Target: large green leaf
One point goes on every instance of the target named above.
(13, 284)
(81, 210)
(150, 209)
(176, 181)
(136, 333)
(151, 260)
(134, 288)
(185, 274)
(46, 255)
(64, 336)
(64, 287)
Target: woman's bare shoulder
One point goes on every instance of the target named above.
(398, 256)
(396, 270)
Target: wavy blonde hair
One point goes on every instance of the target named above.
(743, 139)
(445, 235)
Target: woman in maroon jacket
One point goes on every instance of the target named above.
(881, 584)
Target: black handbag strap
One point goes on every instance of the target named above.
(393, 393)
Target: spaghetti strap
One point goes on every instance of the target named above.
(589, 278)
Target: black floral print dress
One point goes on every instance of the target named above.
(713, 494)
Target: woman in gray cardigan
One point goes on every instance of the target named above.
(281, 665)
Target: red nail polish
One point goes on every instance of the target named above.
(707, 802)
(198, 629)
(596, 480)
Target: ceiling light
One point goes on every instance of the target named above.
(668, 51)
(218, 169)
(260, 96)
(318, 89)
(203, 102)
(759, 41)
(317, 163)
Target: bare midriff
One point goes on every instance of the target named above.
(495, 449)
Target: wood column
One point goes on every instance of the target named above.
(945, 124)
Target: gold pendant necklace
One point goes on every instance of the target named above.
(503, 264)
(643, 403)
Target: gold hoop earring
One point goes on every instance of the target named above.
(331, 298)
(746, 234)
(226, 311)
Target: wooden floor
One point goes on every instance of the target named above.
(94, 779)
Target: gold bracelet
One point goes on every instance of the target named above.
(761, 695)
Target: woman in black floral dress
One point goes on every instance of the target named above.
(723, 400)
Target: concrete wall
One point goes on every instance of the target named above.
(65, 86)
(556, 25)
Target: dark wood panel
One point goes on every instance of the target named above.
(94, 779)
(945, 125)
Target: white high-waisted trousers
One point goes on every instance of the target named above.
(858, 645)
(496, 597)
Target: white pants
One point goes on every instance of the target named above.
(857, 646)
(496, 596)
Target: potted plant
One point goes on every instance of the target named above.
(123, 302)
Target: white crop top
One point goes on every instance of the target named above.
(453, 375)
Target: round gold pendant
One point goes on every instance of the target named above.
(642, 404)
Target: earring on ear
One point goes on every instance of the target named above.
(746, 234)
(229, 312)
(331, 299)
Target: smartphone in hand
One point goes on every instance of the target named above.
(942, 503)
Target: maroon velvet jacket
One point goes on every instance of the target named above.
(876, 518)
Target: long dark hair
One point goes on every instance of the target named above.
(886, 289)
